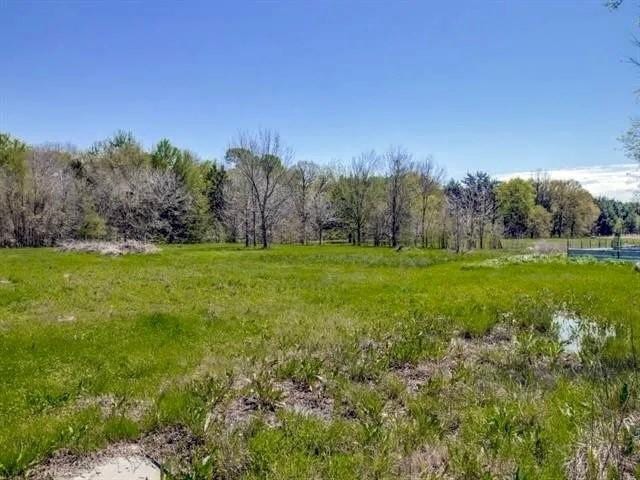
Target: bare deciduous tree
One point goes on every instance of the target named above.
(118, 190)
(480, 194)
(430, 177)
(37, 198)
(353, 193)
(262, 159)
(459, 206)
(148, 204)
(398, 165)
(238, 202)
(321, 208)
(303, 182)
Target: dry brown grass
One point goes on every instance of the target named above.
(609, 451)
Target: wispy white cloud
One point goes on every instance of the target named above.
(620, 181)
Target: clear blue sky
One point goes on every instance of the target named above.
(498, 86)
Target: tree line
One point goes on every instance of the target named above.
(260, 194)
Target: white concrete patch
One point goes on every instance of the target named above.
(132, 467)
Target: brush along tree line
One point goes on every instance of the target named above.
(261, 194)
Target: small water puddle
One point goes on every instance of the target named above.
(133, 467)
(573, 330)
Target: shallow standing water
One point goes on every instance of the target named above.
(572, 330)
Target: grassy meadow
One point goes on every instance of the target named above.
(405, 364)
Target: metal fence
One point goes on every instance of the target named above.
(624, 248)
(603, 242)
(626, 253)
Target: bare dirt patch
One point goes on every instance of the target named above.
(172, 447)
(415, 376)
(239, 412)
(462, 351)
(296, 397)
(478, 349)
(307, 400)
(108, 248)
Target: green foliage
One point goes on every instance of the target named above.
(573, 209)
(265, 392)
(617, 217)
(303, 368)
(414, 339)
(215, 178)
(120, 151)
(190, 403)
(165, 155)
(12, 154)
(539, 222)
(516, 201)
(93, 225)
(120, 428)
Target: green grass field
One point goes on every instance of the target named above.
(166, 339)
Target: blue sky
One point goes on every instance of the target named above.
(497, 86)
